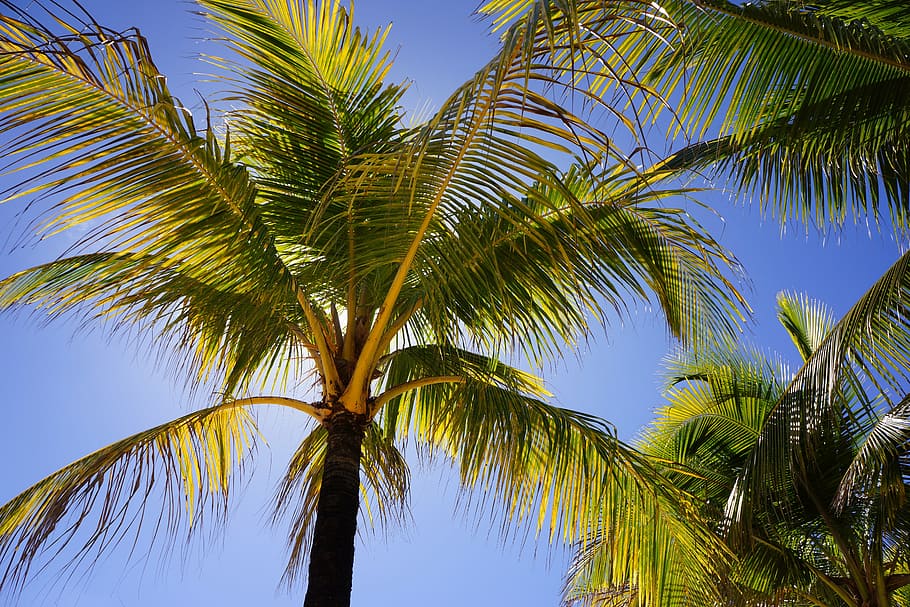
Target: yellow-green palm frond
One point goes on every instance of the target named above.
(212, 329)
(808, 99)
(97, 501)
(652, 546)
(119, 154)
(410, 371)
(530, 264)
(313, 101)
(807, 321)
(598, 46)
(520, 460)
(385, 491)
(721, 396)
(512, 266)
(889, 16)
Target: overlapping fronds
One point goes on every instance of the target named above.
(599, 46)
(519, 459)
(385, 490)
(210, 329)
(650, 548)
(314, 103)
(510, 266)
(810, 103)
(858, 373)
(167, 478)
(808, 99)
(803, 475)
(118, 154)
(716, 400)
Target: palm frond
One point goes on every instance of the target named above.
(634, 249)
(96, 502)
(810, 109)
(891, 17)
(598, 46)
(209, 328)
(120, 154)
(651, 547)
(864, 356)
(538, 462)
(807, 322)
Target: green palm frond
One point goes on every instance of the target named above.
(889, 16)
(805, 103)
(126, 159)
(651, 547)
(212, 329)
(598, 46)
(807, 322)
(314, 102)
(102, 498)
(810, 109)
(879, 468)
(866, 356)
(385, 491)
(806, 487)
(538, 463)
(635, 248)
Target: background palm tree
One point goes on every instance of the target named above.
(310, 232)
(808, 488)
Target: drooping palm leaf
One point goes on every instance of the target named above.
(104, 497)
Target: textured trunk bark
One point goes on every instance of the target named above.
(332, 554)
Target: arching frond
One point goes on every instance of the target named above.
(807, 322)
(94, 503)
(536, 462)
(211, 329)
(120, 155)
(598, 46)
(634, 249)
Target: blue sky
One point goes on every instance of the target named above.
(68, 392)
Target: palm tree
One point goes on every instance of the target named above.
(309, 233)
(807, 487)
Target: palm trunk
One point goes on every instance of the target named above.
(332, 554)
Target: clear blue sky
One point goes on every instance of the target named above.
(67, 393)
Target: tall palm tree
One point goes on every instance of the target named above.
(810, 497)
(310, 233)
